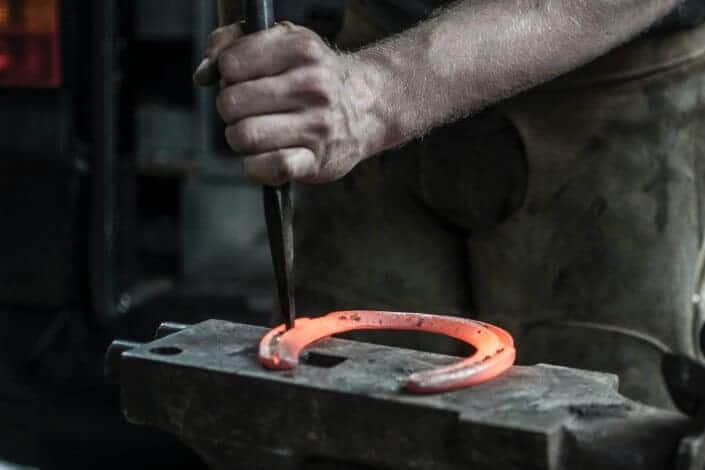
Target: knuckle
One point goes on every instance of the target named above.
(216, 37)
(308, 32)
(228, 66)
(288, 26)
(319, 88)
(284, 168)
(315, 87)
(307, 48)
(320, 127)
(243, 136)
(225, 104)
(222, 36)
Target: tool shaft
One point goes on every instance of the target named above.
(278, 206)
(278, 210)
(259, 15)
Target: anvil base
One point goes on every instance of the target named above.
(343, 408)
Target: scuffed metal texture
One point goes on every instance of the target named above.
(204, 385)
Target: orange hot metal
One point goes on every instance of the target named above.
(280, 348)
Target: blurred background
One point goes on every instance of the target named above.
(119, 209)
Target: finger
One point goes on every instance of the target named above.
(221, 38)
(280, 166)
(269, 52)
(260, 134)
(207, 72)
(296, 90)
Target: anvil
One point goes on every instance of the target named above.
(343, 407)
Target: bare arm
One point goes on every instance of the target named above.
(477, 52)
(301, 111)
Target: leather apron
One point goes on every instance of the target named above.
(573, 215)
(601, 267)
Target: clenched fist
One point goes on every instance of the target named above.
(296, 109)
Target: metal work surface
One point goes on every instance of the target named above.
(343, 408)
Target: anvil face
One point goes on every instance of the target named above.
(344, 405)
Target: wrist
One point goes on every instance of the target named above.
(370, 89)
(393, 68)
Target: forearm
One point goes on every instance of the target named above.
(477, 52)
(297, 110)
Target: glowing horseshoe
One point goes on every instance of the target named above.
(280, 348)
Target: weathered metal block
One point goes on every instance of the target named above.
(344, 406)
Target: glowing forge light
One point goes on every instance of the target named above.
(30, 44)
(4, 56)
(280, 348)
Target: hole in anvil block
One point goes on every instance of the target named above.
(325, 361)
(166, 351)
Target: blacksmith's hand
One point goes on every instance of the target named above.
(295, 109)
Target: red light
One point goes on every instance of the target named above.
(30, 53)
(4, 56)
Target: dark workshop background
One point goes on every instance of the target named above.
(119, 209)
